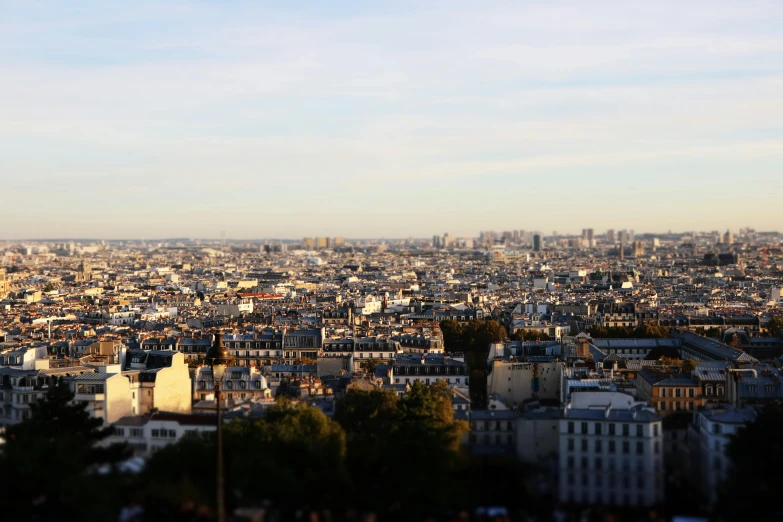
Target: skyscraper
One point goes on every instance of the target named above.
(537, 243)
(610, 236)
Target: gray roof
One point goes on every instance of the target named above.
(635, 414)
(94, 376)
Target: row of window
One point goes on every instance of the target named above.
(611, 481)
(229, 385)
(434, 380)
(164, 434)
(598, 446)
(598, 429)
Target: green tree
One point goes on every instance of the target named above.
(370, 365)
(775, 327)
(754, 475)
(452, 335)
(49, 287)
(50, 460)
(688, 365)
(293, 455)
(384, 431)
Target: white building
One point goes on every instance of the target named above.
(148, 433)
(610, 451)
(147, 380)
(708, 436)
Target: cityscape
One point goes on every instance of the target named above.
(391, 261)
(612, 370)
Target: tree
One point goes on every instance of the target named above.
(754, 475)
(293, 455)
(384, 431)
(688, 365)
(775, 327)
(49, 287)
(52, 457)
(370, 365)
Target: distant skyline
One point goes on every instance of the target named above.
(388, 119)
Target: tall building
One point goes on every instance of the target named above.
(537, 243)
(610, 236)
(308, 243)
(728, 238)
(5, 285)
(320, 243)
(338, 241)
(436, 241)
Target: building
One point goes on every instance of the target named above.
(708, 435)
(148, 433)
(518, 381)
(610, 452)
(493, 432)
(537, 243)
(669, 392)
(428, 369)
(240, 383)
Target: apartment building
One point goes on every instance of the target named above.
(610, 452)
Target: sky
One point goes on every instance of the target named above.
(388, 119)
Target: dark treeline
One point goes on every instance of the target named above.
(643, 331)
(397, 457)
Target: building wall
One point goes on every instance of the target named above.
(591, 472)
(172, 388)
(516, 381)
(537, 439)
(117, 402)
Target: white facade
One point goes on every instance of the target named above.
(146, 435)
(609, 455)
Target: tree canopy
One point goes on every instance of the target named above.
(754, 476)
(48, 458)
(387, 434)
(472, 335)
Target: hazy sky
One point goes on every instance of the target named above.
(388, 119)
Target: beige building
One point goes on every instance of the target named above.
(146, 380)
(520, 381)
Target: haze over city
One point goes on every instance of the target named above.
(388, 119)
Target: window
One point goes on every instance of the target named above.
(119, 432)
(663, 406)
(136, 432)
(172, 434)
(598, 447)
(717, 428)
(570, 462)
(708, 390)
(657, 448)
(663, 392)
(690, 392)
(719, 390)
(639, 430)
(677, 392)
(640, 448)
(155, 433)
(584, 444)
(570, 444)
(611, 429)
(752, 388)
(597, 428)
(599, 463)
(655, 430)
(611, 446)
(626, 446)
(584, 428)
(626, 429)
(570, 427)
